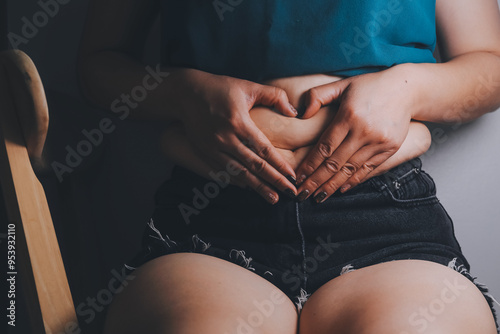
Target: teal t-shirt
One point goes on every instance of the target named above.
(266, 39)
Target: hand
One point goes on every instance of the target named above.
(372, 122)
(214, 111)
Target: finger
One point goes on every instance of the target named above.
(366, 171)
(332, 166)
(361, 163)
(274, 97)
(182, 152)
(221, 163)
(242, 175)
(417, 142)
(259, 167)
(232, 146)
(320, 96)
(388, 164)
(326, 146)
(265, 160)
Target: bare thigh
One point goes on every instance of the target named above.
(196, 293)
(398, 297)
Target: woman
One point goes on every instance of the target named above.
(374, 257)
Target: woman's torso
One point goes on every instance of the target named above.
(260, 40)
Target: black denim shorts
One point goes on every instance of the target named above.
(299, 246)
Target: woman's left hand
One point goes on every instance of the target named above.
(375, 111)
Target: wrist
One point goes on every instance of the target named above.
(180, 92)
(411, 80)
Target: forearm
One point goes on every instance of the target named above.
(457, 91)
(176, 146)
(117, 82)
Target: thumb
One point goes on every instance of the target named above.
(320, 96)
(275, 97)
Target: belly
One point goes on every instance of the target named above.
(295, 87)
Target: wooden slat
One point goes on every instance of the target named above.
(45, 283)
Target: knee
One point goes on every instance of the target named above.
(196, 293)
(423, 320)
(438, 300)
(401, 297)
(451, 303)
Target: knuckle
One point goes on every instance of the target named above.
(263, 151)
(308, 167)
(349, 169)
(368, 167)
(237, 125)
(325, 149)
(219, 138)
(367, 131)
(279, 93)
(350, 115)
(220, 141)
(258, 166)
(331, 186)
(231, 121)
(313, 94)
(387, 139)
(393, 146)
(355, 179)
(332, 166)
(250, 142)
(313, 184)
(242, 173)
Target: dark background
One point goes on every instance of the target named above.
(100, 209)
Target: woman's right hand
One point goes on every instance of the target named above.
(214, 111)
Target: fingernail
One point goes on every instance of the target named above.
(301, 111)
(345, 188)
(303, 195)
(320, 197)
(290, 193)
(272, 198)
(292, 180)
(294, 110)
(301, 179)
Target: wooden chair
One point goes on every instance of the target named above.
(23, 128)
